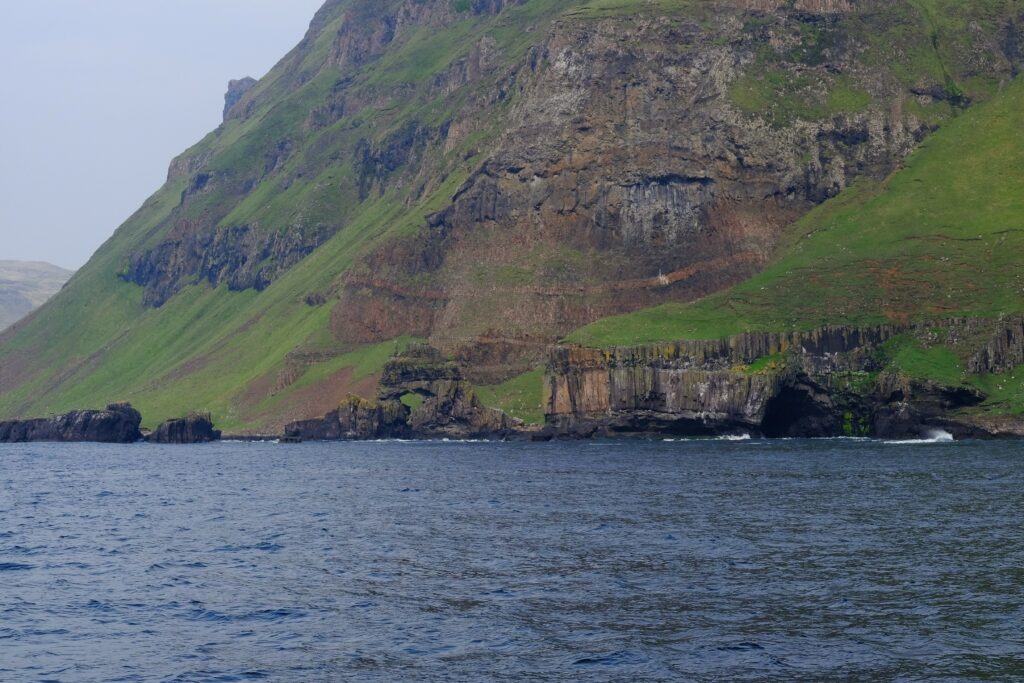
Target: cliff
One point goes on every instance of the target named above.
(829, 382)
(491, 176)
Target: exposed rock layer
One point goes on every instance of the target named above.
(828, 382)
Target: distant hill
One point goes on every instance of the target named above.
(25, 286)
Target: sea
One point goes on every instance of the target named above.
(721, 560)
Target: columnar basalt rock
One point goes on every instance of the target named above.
(825, 382)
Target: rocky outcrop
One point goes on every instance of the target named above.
(421, 395)
(191, 429)
(242, 257)
(356, 419)
(829, 382)
(237, 89)
(119, 423)
(444, 404)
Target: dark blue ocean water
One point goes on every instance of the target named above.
(647, 561)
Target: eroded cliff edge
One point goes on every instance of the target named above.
(884, 381)
(829, 382)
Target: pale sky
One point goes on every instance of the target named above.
(100, 95)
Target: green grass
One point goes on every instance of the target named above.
(412, 401)
(767, 364)
(520, 396)
(939, 238)
(938, 364)
(926, 230)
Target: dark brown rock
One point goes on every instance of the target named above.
(119, 423)
(194, 428)
(356, 419)
(445, 406)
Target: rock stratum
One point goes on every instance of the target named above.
(830, 382)
(493, 178)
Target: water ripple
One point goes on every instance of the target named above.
(645, 561)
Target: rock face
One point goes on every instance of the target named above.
(490, 175)
(633, 171)
(194, 428)
(421, 395)
(355, 419)
(119, 423)
(240, 257)
(623, 159)
(237, 89)
(826, 383)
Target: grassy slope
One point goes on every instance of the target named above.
(942, 237)
(203, 349)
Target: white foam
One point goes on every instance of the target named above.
(933, 436)
(734, 437)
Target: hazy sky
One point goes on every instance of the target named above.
(99, 95)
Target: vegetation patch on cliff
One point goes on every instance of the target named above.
(940, 237)
(519, 397)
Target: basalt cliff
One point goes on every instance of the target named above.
(545, 193)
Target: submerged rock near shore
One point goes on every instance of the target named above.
(119, 423)
(193, 428)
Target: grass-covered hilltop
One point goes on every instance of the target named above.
(494, 177)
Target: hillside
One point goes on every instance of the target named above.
(24, 286)
(940, 238)
(491, 176)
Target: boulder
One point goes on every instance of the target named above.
(193, 428)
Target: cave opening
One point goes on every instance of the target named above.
(794, 413)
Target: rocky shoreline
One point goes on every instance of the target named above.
(119, 423)
(831, 382)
